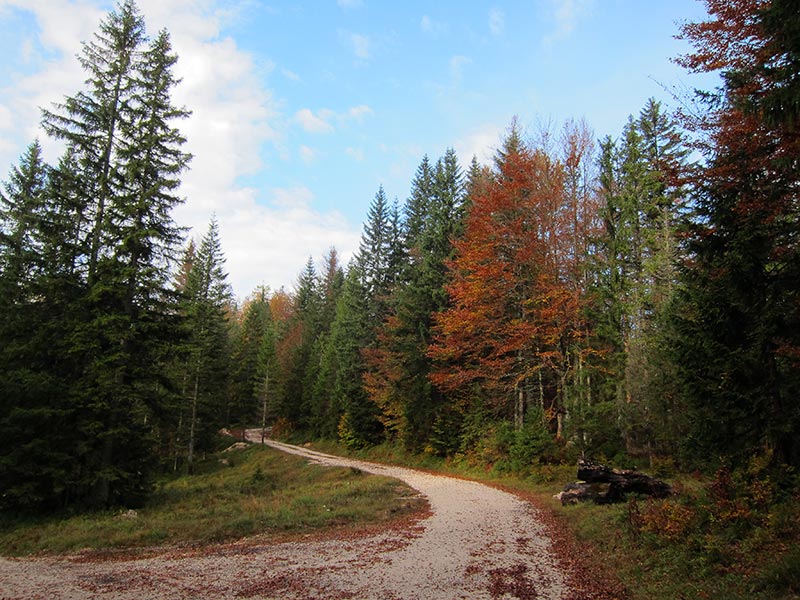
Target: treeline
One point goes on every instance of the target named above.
(634, 297)
(512, 312)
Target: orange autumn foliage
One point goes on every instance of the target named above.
(515, 292)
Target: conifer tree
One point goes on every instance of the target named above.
(92, 122)
(354, 413)
(36, 438)
(736, 319)
(107, 241)
(399, 367)
(246, 381)
(207, 298)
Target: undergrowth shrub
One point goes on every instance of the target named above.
(726, 528)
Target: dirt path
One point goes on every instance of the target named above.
(479, 542)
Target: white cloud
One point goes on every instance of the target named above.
(234, 116)
(356, 153)
(566, 14)
(359, 44)
(269, 244)
(480, 143)
(307, 154)
(311, 122)
(497, 21)
(360, 111)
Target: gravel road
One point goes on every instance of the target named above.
(478, 542)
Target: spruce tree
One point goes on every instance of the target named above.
(343, 365)
(36, 437)
(91, 122)
(244, 397)
(207, 298)
(399, 367)
(736, 320)
(107, 243)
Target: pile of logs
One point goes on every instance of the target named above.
(604, 485)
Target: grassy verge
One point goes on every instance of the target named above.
(733, 536)
(259, 490)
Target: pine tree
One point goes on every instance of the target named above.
(207, 298)
(736, 321)
(399, 367)
(246, 380)
(343, 365)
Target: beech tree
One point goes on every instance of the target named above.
(511, 321)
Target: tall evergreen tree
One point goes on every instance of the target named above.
(376, 253)
(245, 405)
(92, 122)
(736, 317)
(107, 244)
(343, 365)
(207, 298)
(399, 367)
(22, 206)
(636, 271)
(37, 464)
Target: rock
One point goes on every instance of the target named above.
(236, 446)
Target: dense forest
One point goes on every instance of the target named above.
(628, 298)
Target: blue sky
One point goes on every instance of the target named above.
(302, 109)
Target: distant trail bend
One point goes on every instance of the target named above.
(478, 543)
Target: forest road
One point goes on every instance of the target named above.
(478, 543)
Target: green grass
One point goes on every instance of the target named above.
(259, 491)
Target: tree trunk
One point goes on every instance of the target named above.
(193, 420)
(604, 485)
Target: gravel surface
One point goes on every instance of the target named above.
(478, 542)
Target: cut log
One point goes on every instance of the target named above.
(604, 485)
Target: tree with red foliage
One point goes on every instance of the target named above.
(514, 317)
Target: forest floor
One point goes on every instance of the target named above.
(477, 542)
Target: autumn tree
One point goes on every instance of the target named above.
(512, 320)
